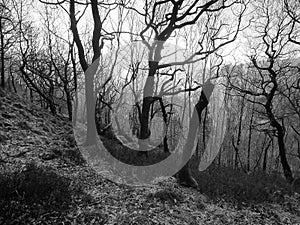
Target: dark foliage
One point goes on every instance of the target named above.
(239, 187)
(35, 184)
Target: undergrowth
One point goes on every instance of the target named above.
(32, 191)
(239, 187)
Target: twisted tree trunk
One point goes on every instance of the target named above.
(184, 175)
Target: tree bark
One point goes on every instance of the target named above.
(250, 138)
(184, 175)
(237, 145)
(90, 110)
(279, 128)
(165, 118)
(88, 70)
(265, 160)
(29, 82)
(2, 56)
(147, 100)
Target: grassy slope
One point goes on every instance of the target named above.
(44, 180)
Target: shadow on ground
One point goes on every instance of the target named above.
(36, 192)
(239, 187)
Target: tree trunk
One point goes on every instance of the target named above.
(30, 83)
(13, 80)
(147, 101)
(220, 158)
(165, 118)
(52, 107)
(249, 140)
(2, 55)
(90, 109)
(69, 103)
(203, 128)
(265, 160)
(282, 153)
(184, 175)
(75, 83)
(237, 145)
(280, 130)
(89, 70)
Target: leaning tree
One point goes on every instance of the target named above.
(271, 73)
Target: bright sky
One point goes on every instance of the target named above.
(232, 52)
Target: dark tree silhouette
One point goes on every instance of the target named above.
(163, 19)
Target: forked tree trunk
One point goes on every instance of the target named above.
(89, 70)
(147, 101)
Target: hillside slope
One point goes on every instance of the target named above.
(45, 180)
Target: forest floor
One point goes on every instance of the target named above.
(45, 180)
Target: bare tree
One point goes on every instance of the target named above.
(61, 51)
(7, 34)
(164, 19)
(292, 9)
(270, 56)
(98, 37)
